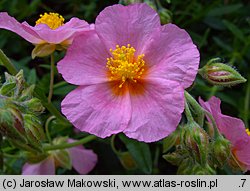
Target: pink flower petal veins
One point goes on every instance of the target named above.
(157, 112)
(85, 61)
(122, 25)
(10, 23)
(173, 56)
(95, 109)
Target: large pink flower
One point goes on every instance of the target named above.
(83, 161)
(49, 31)
(131, 73)
(233, 129)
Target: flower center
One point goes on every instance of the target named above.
(53, 20)
(124, 65)
(248, 131)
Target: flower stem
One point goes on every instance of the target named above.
(113, 145)
(216, 131)
(197, 108)
(52, 65)
(188, 113)
(69, 145)
(47, 127)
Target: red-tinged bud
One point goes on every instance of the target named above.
(218, 73)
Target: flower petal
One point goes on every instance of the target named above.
(97, 110)
(66, 32)
(157, 112)
(85, 61)
(243, 154)
(83, 160)
(173, 56)
(122, 25)
(45, 167)
(10, 23)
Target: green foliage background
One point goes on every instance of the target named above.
(219, 29)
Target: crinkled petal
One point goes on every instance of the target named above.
(10, 23)
(83, 160)
(45, 167)
(122, 25)
(157, 112)
(66, 32)
(232, 128)
(85, 61)
(243, 154)
(97, 110)
(173, 56)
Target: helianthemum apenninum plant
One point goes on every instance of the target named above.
(133, 72)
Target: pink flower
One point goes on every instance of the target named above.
(83, 161)
(49, 31)
(131, 73)
(233, 129)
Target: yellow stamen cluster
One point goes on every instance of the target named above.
(125, 65)
(53, 20)
(248, 131)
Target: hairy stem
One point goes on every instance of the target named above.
(69, 145)
(52, 65)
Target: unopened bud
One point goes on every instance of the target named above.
(165, 16)
(171, 140)
(34, 130)
(42, 50)
(62, 157)
(218, 73)
(34, 105)
(127, 161)
(27, 93)
(221, 150)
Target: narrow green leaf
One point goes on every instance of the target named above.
(140, 152)
(235, 30)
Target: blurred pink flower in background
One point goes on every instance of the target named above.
(233, 129)
(83, 161)
(49, 31)
(131, 73)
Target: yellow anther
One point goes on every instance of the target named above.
(53, 20)
(124, 65)
(248, 131)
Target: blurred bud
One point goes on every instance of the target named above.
(218, 73)
(33, 126)
(42, 50)
(8, 89)
(165, 16)
(185, 166)
(174, 158)
(27, 93)
(171, 140)
(11, 123)
(221, 150)
(62, 157)
(34, 105)
(127, 161)
(35, 157)
(198, 169)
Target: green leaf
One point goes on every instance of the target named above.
(32, 77)
(226, 9)
(235, 30)
(140, 152)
